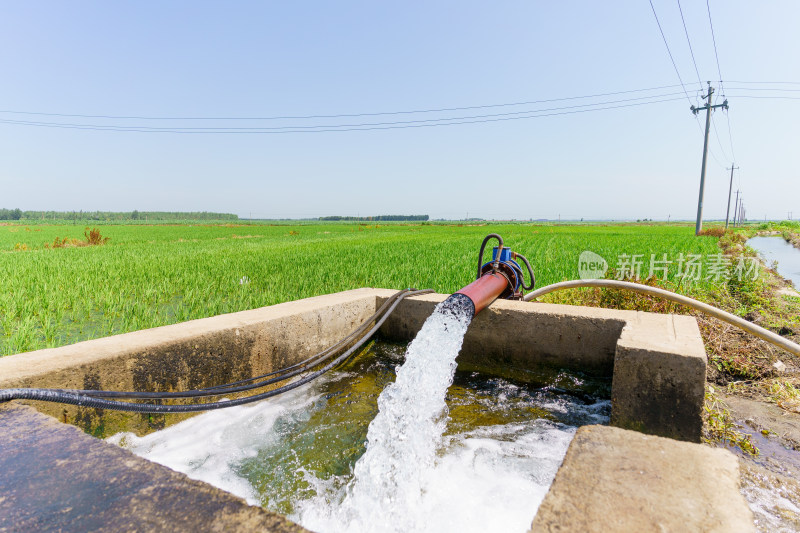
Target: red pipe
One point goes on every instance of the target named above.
(484, 290)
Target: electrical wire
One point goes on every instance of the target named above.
(716, 134)
(323, 128)
(756, 96)
(721, 84)
(713, 39)
(347, 115)
(768, 82)
(776, 89)
(366, 124)
(686, 31)
(669, 52)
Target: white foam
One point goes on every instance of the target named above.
(207, 447)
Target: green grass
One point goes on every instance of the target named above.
(148, 276)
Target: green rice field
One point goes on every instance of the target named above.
(150, 275)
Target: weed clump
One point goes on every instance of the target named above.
(93, 238)
(720, 427)
(713, 232)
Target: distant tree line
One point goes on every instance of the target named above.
(16, 214)
(380, 218)
(10, 214)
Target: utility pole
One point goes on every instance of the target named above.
(708, 108)
(736, 208)
(730, 188)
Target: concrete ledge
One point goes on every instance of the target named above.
(53, 477)
(617, 480)
(659, 377)
(190, 355)
(524, 334)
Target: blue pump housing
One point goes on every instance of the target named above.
(515, 269)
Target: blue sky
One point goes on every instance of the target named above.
(260, 59)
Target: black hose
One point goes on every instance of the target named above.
(80, 398)
(238, 386)
(530, 271)
(483, 245)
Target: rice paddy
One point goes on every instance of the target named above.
(149, 275)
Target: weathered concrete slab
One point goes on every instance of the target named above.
(659, 378)
(53, 477)
(618, 480)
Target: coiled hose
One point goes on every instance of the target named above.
(732, 319)
(100, 399)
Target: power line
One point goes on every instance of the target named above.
(686, 31)
(713, 39)
(442, 119)
(442, 122)
(769, 82)
(669, 52)
(716, 134)
(767, 97)
(345, 115)
(721, 84)
(776, 89)
(730, 136)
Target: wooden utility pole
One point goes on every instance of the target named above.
(730, 188)
(708, 108)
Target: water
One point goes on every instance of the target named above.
(772, 499)
(376, 446)
(777, 249)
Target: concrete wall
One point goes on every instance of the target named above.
(191, 355)
(524, 334)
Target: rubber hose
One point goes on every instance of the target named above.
(732, 319)
(530, 271)
(483, 246)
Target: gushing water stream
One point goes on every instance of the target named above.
(474, 454)
(390, 478)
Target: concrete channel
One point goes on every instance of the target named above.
(645, 472)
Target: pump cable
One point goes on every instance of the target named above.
(99, 399)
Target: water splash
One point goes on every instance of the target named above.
(390, 478)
